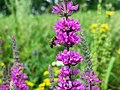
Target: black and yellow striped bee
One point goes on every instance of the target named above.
(52, 42)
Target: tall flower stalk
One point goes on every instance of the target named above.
(15, 80)
(66, 36)
(17, 76)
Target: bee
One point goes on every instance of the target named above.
(52, 42)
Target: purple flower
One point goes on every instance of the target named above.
(63, 38)
(18, 77)
(69, 57)
(91, 78)
(65, 71)
(64, 85)
(69, 85)
(67, 25)
(64, 9)
(5, 86)
(95, 88)
(77, 85)
(76, 71)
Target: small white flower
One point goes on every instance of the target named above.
(53, 63)
(59, 63)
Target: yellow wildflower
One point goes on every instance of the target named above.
(47, 81)
(42, 84)
(102, 30)
(93, 26)
(0, 80)
(55, 68)
(40, 88)
(2, 64)
(110, 13)
(105, 26)
(45, 73)
(57, 71)
(93, 30)
(118, 51)
(55, 79)
(29, 83)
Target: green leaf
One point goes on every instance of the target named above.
(110, 66)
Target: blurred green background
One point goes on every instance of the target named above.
(31, 21)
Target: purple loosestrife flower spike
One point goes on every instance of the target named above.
(65, 30)
(17, 76)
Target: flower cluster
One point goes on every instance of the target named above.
(67, 25)
(92, 80)
(65, 31)
(65, 82)
(46, 81)
(64, 9)
(67, 39)
(69, 57)
(5, 86)
(101, 28)
(70, 85)
(18, 77)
